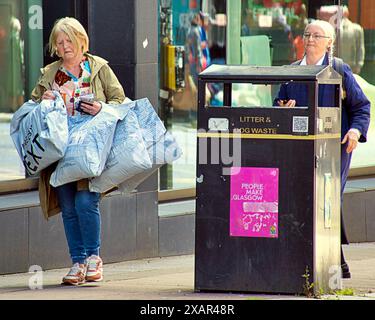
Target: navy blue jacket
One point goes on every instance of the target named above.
(355, 107)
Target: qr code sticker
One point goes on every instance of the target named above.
(301, 124)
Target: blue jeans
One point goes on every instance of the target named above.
(81, 218)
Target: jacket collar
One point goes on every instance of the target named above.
(324, 62)
(96, 63)
(49, 72)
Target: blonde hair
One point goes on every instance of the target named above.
(329, 31)
(74, 30)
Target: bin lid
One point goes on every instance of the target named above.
(321, 74)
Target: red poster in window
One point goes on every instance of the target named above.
(193, 4)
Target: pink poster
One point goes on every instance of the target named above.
(254, 202)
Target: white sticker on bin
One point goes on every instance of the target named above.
(218, 124)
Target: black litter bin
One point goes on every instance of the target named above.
(268, 186)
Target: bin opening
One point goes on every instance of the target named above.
(252, 95)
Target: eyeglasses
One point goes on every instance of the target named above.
(314, 36)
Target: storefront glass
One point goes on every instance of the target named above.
(269, 32)
(192, 36)
(256, 32)
(21, 55)
(259, 32)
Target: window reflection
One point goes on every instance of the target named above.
(193, 36)
(271, 34)
(351, 45)
(282, 23)
(12, 85)
(12, 64)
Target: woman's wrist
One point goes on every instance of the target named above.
(356, 131)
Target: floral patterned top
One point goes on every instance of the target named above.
(71, 87)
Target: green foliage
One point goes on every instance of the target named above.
(344, 292)
(308, 288)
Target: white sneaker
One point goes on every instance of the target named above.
(76, 275)
(94, 271)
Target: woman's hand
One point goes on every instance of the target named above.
(91, 108)
(287, 103)
(48, 95)
(352, 138)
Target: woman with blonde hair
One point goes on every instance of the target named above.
(319, 37)
(75, 75)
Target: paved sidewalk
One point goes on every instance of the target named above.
(171, 278)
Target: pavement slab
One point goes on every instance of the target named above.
(171, 278)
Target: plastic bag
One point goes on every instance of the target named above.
(40, 133)
(166, 150)
(156, 146)
(130, 185)
(161, 144)
(90, 141)
(152, 127)
(128, 155)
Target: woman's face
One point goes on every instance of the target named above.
(65, 47)
(317, 43)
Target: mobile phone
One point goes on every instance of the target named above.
(79, 109)
(88, 99)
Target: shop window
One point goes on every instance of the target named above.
(192, 37)
(268, 32)
(20, 60)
